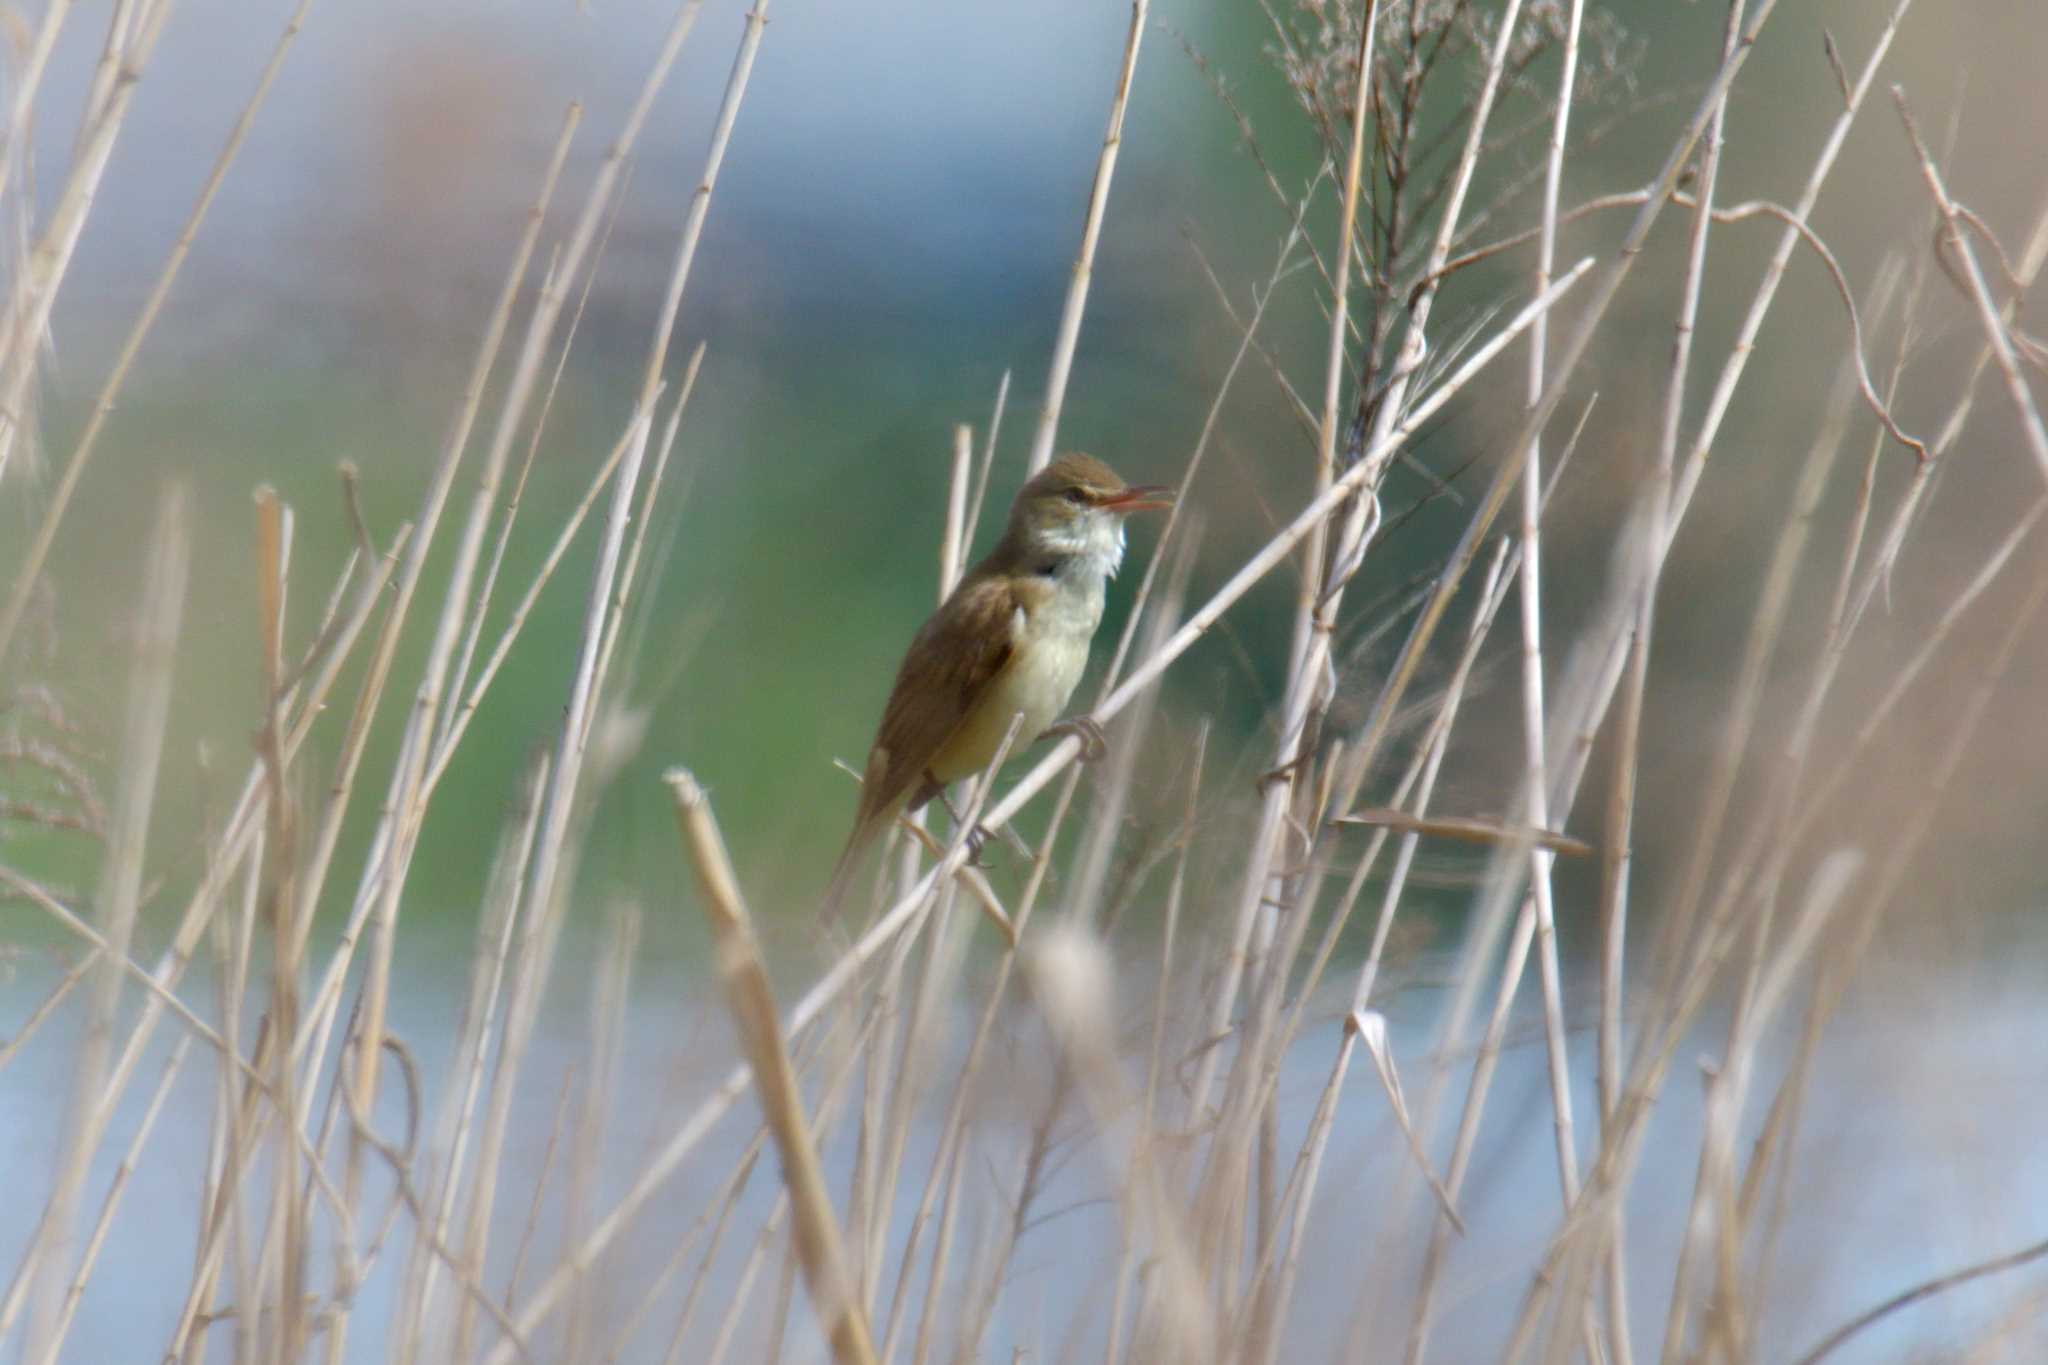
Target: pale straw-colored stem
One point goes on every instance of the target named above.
(1303, 680)
(30, 570)
(1421, 780)
(1988, 314)
(820, 1247)
(1084, 260)
(1774, 271)
(28, 317)
(47, 1260)
(1534, 712)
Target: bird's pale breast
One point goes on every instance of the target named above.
(1050, 655)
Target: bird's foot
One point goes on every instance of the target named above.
(977, 838)
(1087, 729)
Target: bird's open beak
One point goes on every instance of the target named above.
(1140, 497)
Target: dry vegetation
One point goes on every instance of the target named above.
(1137, 1035)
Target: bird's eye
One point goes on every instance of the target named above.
(1077, 496)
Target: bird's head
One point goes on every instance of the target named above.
(1075, 507)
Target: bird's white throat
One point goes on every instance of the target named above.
(1094, 542)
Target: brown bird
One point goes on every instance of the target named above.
(1011, 640)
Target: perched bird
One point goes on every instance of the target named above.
(1011, 639)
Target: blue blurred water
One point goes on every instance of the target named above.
(1916, 1155)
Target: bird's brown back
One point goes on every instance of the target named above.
(957, 654)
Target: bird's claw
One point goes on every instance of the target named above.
(977, 841)
(1087, 729)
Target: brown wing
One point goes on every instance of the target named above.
(957, 653)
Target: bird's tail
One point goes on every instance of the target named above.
(843, 871)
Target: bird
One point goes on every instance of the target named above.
(1010, 640)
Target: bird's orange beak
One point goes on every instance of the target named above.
(1140, 497)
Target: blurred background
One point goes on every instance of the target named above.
(893, 229)
(893, 232)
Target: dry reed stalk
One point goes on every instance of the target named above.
(1275, 995)
(26, 319)
(1606, 286)
(1728, 1085)
(1847, 612)
(588, 678)
(529, 1228)
(1301, 684)
(954, 544)
(1070, 977)
(883, 1137)
(1654, 538)
(1617, 1161)
(1465, 829)
(611, 990)
(558, 549)
(1993, 1347)
(74, 1294)
(31, 567)
(1177, 513)
(1832, 652)
(1419, 778)
(458, 678)
(287, 933)
(1866, 492)
(1304, 416)
(44, 1271)
(979, 498)
(235, 943)
(1145, 1148)
(878, 1164)
(742, 1292)
(405, 802)
(43, 899)
(1752, 25)
(819, 1244)
(985, 1276)
(450, 1142)
(404, 808)
(1069, 333)
(1744, 345)
(1090, 873)
(723, 1201)
(48, 1005)
(371, 692)
(1416, 788)
(1491, 917)
(1357, 530)
(28, 83)
(123, 21)
(1534, 714)
(1907, 841)
(1988, 314)
(922, 1031)
(949, 1160)
(1253, 925)
(1852, 604)
(616, 626)
(1815, 797)
(831, 1101)
(546, 883)
(866, 1200)
(1746, 694)
(1324, 505)
(875, 1169)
